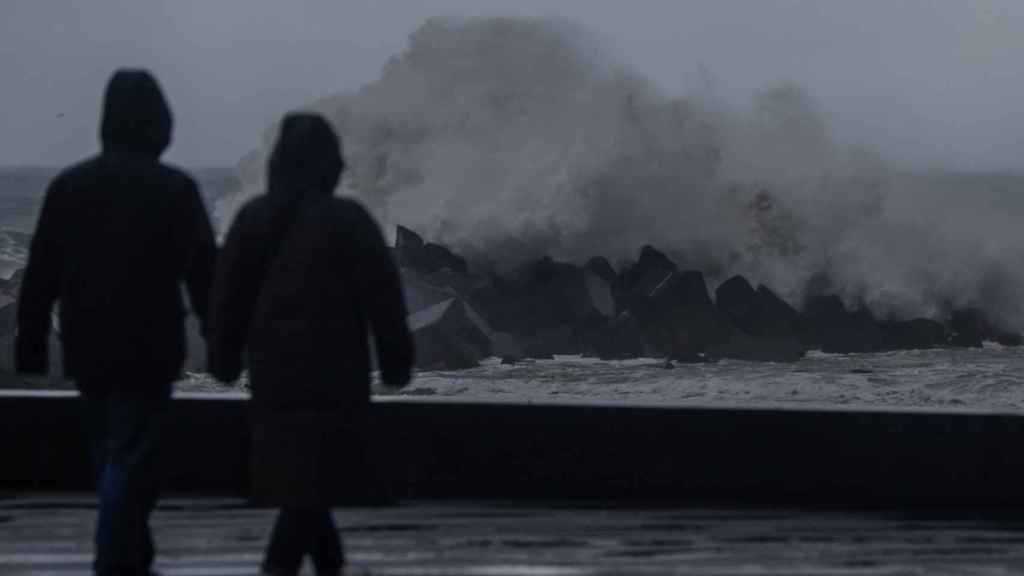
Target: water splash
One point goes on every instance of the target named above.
(511, 139)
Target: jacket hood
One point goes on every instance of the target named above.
(307, 158)
(136, 117)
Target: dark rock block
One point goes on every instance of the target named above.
(525, 305)
(505, 345)
(678, 318)
(649, 271)
(772, 317)
(1010, 338)
(547, 270)
(406, 239)
(439, 257)
(450, 279)
(412, 252)
(653, 295)
(449, 336)
(561, 341)
(735, 297)
(651, 258)
(596, 300)
(421, 292)
(833, 329)
(622, 338)
(484, 342)
(760, 313)
(687, 333)
(542, 299)
(556, 295)
(676, 290)
(409, 248)
(493, 305)
(503, 304)
(969, 328)
(681, 289)
(916, 334)
(741, 346)
(603, 268)
(824, 307)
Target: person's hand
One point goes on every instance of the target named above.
(390, 384)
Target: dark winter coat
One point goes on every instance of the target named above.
(117, 236)
(303, 281)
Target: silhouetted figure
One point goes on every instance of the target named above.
(117, 236)
(304, 280)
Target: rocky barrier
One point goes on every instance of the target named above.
(648, 308)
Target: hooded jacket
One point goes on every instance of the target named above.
(303, 282)
(117, 237)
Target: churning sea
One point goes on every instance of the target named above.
(989, 379)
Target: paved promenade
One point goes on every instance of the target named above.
(213, 537)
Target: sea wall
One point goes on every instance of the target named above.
(429, 448)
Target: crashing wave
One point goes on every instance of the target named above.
(512, 139)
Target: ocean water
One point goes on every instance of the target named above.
(991, 378)
(21, 194)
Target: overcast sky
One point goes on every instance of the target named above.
(925, 81)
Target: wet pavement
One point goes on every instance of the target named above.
(51, 535)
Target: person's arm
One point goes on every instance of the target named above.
(40, 288)
(230, 304)
(379, 290)
(200, 258)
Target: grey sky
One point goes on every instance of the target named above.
(923, 80)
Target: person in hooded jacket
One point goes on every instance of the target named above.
(304, 281)
(116, 238)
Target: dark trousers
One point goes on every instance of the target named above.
(125, 434)
(301, 531)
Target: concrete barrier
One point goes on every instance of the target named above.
(426, 447)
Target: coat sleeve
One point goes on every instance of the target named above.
(231, 300)
(40, 288)
(379, 290)
(201, 253)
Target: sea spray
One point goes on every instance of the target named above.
(512, 139)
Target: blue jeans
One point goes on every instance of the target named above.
(124, 434)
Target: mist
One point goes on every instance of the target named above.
(516, 138)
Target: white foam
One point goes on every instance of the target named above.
(989, 381)
(985, 380)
